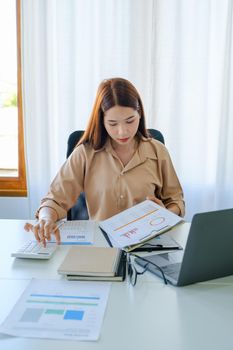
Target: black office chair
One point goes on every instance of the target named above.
(79, 210)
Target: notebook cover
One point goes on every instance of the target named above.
(90, 261)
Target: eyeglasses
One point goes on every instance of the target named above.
(133, 273)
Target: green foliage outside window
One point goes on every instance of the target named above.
(11, 101)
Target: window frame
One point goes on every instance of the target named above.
(17, 186)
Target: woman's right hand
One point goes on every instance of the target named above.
(45, 226)
(43, 229)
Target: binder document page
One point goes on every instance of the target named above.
(139, 223)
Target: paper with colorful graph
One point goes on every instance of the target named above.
(138, 224)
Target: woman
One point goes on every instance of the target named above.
(115, 163)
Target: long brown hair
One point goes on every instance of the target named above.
(110, 93)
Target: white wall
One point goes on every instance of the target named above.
(14, 208)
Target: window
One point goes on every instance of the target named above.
(12, 160)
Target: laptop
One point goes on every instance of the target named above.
(208, 253)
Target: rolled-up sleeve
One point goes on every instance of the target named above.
(67, 185)
(171, 192)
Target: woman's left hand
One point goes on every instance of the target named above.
(156, 200)
(172, 207)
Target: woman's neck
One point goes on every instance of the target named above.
(129, 148)
(126, 152)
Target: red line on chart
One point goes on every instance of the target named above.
(128, 223)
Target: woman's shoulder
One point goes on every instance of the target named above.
(153, 149)
(81, 152)
(153, 145)
(83, 148)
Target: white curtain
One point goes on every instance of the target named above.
(177, 53)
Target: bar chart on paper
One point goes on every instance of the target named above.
(75, 311)
(48, 307)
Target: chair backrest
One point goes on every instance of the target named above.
(79, 210)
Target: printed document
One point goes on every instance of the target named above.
(139, 224)
(59, 309)
(79, 232)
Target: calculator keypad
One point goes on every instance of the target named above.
(35, 250)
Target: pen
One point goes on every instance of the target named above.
(44, 238)
(141, 239)
(59, 225)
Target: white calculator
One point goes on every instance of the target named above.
(35, 250)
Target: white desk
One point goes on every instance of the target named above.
(147, 316)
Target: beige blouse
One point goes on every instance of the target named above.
(111, 187)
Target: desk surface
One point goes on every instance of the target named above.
(147, 316)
